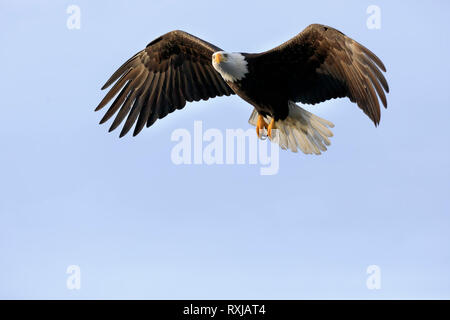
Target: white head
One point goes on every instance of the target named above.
(231, 66)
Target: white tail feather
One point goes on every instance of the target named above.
(300, 130)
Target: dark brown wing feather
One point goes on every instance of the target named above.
(322, 63)
(156, 81)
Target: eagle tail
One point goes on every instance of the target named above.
(300, 130)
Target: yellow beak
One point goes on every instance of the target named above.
(218, 58)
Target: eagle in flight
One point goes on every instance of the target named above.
(318, 64)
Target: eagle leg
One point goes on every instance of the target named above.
(269, 129)
(260, 124)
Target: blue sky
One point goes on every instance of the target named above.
(140, 227)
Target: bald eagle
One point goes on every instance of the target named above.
(318, 64)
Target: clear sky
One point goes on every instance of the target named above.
(139, 226)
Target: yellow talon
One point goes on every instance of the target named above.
(269, 129)
(260, 124)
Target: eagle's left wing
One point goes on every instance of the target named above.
(321, 63)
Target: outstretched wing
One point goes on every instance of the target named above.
(156, 81)
(322, 63)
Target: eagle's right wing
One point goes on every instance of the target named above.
(171, 70)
